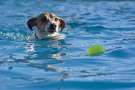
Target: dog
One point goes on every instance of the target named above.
(48, 25)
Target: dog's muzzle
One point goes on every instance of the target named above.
(52, 28)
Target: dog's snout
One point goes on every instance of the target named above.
(53, 26)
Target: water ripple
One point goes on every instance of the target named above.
(64, 64)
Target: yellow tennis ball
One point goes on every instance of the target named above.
(96, 49)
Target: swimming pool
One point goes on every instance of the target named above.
(64, 64)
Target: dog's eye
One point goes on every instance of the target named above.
(51, 16)
(56, 19)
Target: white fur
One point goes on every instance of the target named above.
(44, 35)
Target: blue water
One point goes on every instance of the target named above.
(64, 64)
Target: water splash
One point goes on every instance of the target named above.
(13, 36)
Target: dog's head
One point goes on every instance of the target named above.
(46, 22)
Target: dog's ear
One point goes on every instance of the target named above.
(43, 17)
(62, 24)
(31, 23)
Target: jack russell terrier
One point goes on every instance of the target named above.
(48, 26)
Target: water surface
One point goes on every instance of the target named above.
(64, 64)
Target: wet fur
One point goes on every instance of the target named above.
(42, 23)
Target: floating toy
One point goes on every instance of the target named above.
(96, 49)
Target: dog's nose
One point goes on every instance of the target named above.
(53, 26)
